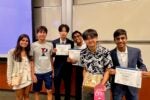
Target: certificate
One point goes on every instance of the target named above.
(128, 77)
(62, 49)
(74, 54)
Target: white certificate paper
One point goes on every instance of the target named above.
(128, 77)
(74, 54)
(62, 49)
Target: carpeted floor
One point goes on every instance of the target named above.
(10, 95)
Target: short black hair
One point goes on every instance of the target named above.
(75, 32)
(60, 29)
(89, 33)
(119, 32)
(41, 29)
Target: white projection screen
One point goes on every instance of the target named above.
(15, 19)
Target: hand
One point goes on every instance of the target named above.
(74, 61)
(53, 74)
(9, 84)
(34, 78)
(112, 71)
(145, 74)
(54, 50)
(102, 87)
(71, 60)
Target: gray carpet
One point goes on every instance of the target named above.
(10, 95)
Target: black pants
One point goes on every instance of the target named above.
(65, 74)
(79, 80)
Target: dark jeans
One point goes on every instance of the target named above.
(65, 74)
(79, 80)
(127, 96)
(125, 92)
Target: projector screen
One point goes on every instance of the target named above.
(15, 19)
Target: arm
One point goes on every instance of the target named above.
(10, 65)
(54, 49)
(112, 71)
(52, 64)
(34, 79)
(32, 67)
(107, 67)
(84, 72)
(140, 63)
(105, 78)
(52, 54)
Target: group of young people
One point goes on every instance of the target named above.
(39, 63)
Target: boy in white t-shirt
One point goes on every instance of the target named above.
(42, 67)
(79, 45)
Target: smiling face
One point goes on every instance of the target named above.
(41, 35)
(24, 42)
(91, 42)
(90, 37)
(77, 38)
(121, 41)
(63, 33)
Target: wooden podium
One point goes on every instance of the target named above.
(144, 93)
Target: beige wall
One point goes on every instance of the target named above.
(105, 17)
(48, 13)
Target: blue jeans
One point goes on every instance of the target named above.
(125, 92)
(128, 97)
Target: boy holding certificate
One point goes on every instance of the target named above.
(74, 57)
(96, 61)
(62, 68)
(126, 57)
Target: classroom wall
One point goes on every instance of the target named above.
(103, 15)
(47, 13)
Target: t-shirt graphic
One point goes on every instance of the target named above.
(44, 50)
(42, 56)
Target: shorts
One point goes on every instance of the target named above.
(47, 78)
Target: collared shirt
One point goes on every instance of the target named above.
(123, 58)
(63, 42)
(96, 62)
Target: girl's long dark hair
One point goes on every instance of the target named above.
(18, 49)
